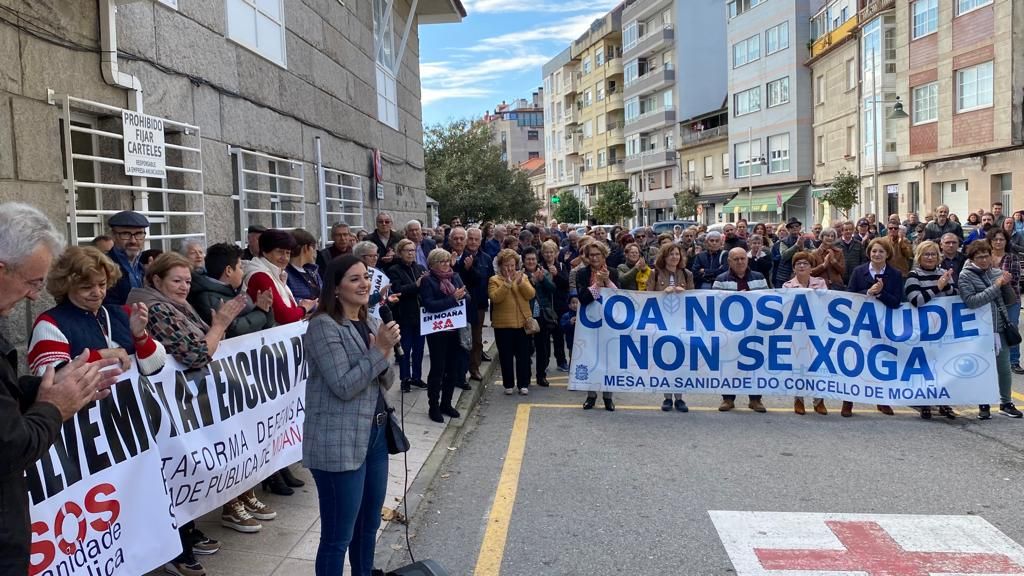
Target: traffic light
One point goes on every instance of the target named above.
(555, 199)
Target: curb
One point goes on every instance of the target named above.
(394, 532)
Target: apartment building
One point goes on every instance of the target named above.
(704, 158)
(599, 103)
(517, 128)
(666, 45)
(770, 107)
(563, 141)
(285, 114)
(959, 65)
(834, 67)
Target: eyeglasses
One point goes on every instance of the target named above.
(930, 255)
(141, 235)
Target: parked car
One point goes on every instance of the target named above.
(666, 226)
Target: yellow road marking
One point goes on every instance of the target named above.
(1018, 396)
(492, 550)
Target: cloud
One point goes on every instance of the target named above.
(563, 32)
(473, 78)
(555, 6)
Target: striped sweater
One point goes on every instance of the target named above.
(49, 347)
(922, 285)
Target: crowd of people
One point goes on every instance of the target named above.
(118, 305)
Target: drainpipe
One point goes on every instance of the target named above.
(108, 58)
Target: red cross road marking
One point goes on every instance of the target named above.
(870, 549)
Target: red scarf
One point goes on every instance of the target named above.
(445, 279)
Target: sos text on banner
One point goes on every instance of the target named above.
(793, 342)
(165, 449)
(450, 319)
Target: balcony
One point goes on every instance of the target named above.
(573, 143)
(873, 8)
(652, 120)
(650, 160)
(652, 42)
(570, 114)
(825, 43)
(643, 10)
(653, 81)
(613, 100)
(692, 137)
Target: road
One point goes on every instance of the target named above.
(540, 486)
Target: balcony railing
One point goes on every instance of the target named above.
(696, 136)
(649, 114)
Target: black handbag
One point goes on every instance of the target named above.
(396, 438)
(1010, 331)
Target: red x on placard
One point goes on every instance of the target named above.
(870, 549)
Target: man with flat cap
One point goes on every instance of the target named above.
(252, 248)
(129, 231)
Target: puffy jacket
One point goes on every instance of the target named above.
(978, 287)
(208, 295)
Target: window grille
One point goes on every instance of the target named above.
(341, 197)
(270, 191)
(92, 136)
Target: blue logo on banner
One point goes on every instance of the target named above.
(582, 373)
(966, 366)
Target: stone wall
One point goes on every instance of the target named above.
(191, 72)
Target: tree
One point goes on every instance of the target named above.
(844, 192)
(686, 204)
(614, 203)
(570, 208)
(468, 178)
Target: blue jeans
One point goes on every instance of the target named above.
(350, 504)
(412, 351)
(1013, 313)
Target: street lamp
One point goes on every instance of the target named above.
(897, 114)
(761, 161)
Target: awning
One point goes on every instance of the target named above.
(708, 199)
(762, 200)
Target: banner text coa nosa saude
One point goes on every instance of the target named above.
(792, 342)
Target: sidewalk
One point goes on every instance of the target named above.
(287, 545)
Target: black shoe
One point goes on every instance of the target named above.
(484, 356)
(275, 484)
(435, 414)
(984, 413)
(948, 412)
(1016, 368)
(543, 382)
(418, 383)
(926, 412)
(609, 405)
(589, 402)
(666, 405)
(1010, 410)
(563, 366)
(681, 406)
(406, 386)
(290, 479)
(450, 412)
(463, 386)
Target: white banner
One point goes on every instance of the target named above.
(166, 449)
(143, 145)
(786, 342)
(378, 281)
(99, 504)
(450, 319)
(230, 425)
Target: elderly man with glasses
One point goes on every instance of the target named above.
(384, 238)
(129, 231)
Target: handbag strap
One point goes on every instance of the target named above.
(1000, 305)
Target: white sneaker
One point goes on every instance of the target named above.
(524, 391)
(234, 516)
(508, 391)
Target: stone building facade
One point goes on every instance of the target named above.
(248, 94)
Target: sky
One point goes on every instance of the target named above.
(496, 53)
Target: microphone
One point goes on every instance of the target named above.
(386, 315)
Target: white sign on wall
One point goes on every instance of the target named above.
(144, 152)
